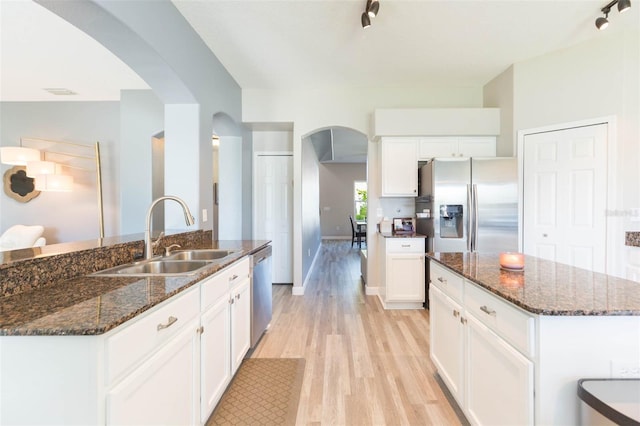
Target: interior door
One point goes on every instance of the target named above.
(273, 211)
(565, 196)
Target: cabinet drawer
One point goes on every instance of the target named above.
(448, 282)
(405, 245)
(219, 284)
(509, 322)
(148, 332)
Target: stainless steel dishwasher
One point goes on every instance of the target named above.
(261, 297)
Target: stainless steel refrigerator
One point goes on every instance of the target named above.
(473, 202)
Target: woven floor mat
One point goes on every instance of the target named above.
(264, 391)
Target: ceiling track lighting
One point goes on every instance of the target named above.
(370, 11)
(603, 22)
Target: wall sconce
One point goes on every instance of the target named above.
(623, 5)
(18, 155)
(47, 174)
(54, 183)
(35, 168)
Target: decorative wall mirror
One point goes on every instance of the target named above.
(18, 185)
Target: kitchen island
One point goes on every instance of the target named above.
(512, 345)
(104, 349)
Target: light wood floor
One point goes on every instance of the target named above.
(364, 365)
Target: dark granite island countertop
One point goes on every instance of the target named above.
(546, 287)
(92, 304)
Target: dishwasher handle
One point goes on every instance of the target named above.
(262, 255)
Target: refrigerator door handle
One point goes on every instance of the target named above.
(469, 217)
(475, 217)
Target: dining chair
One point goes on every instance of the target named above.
(357, 232)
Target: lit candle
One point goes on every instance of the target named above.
(512, 260)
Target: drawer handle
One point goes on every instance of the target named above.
(442, 280)
(232, 278)
(488, 311)
(238, 296)
(169, 323)
(405, 245)
(463, 320)
(456, 313)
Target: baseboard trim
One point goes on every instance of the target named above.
(370, 291)
(337, 237)
(297, 290)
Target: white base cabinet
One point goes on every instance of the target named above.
(499, 379)
(169, 365)
(163, 389)
(519, 368)
(403, 273)
(491, 380)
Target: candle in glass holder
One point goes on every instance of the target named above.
(512, 260)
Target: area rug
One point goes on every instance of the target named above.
(264, 391)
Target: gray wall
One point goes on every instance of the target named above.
(499, 93)
(336, 197)
(310, 205)
(141, 117)
(66, 216)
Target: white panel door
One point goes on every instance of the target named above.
(565, 196)
(273, 211)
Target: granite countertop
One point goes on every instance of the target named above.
(546, 287)
(93, 304)
(411, 235)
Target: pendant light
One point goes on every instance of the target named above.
(372, 8)
(366, 22)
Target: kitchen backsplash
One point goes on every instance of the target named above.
(27, 272)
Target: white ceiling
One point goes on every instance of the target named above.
(308, 43)
(320, 43)
(41, 50)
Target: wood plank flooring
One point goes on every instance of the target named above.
(364, 365)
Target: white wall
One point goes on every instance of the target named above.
(598, 78)
(336, 197)
(310, 185)
(230, 187)
(318, 109)
(499, 93)
(66, 216)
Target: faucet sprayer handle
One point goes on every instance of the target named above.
(167, 250)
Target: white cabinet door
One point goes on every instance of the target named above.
(447, 341)
(499, 379)
(405, 277)
(477, 146)
(457, 146)
(215, 355)
(399, 167)
(163, 389)
(438, 147)
(240, 323)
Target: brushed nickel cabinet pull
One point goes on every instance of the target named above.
(488, 311)
(200, 329)
(233, 277)
(456, 313)
(442, 280)
(169, 323)
(463, 320)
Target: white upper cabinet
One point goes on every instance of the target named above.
(456, 146)
(399, 167)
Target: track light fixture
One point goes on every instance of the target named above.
(623, 5)
(370, 11)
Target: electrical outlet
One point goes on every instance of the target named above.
(623, 369)
(309, 252)
(204, 215)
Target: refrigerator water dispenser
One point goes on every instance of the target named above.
(451, 221)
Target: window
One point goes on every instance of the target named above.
(360, 200)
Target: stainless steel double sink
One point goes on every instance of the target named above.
(179, 262)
